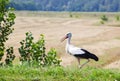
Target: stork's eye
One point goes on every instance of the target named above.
(67, 35)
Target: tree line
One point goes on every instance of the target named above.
(67, 5)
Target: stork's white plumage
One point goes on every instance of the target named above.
(78, 52)
(74, 50)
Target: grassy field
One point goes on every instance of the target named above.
(22, 73)
(88, 33)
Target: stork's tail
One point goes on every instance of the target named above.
(93, 56)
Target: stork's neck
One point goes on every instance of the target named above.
(68, 40)
(68, 44)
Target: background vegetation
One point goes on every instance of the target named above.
(67, 5)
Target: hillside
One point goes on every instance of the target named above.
(67, 5)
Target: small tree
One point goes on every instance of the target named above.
(6, 21)
(34, 53)
(26, 48)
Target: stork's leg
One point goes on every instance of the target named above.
(79, 63)
(85, 63)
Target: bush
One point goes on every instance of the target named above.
(117, 18)
(7, 18)
(102, 22)
(33, 53)
(103, 19)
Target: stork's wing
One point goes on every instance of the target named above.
(75, 50)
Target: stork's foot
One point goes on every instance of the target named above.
(80, 66)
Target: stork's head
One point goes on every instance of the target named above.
(68, 35)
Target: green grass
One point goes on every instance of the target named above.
(23, 73)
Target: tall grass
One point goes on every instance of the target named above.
(24, 73)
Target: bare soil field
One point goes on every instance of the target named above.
(101, 39)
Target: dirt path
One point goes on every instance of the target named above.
(85, 35)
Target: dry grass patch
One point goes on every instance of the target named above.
(111, 55)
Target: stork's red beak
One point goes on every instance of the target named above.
(64, 38)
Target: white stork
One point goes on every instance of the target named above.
(78, 52)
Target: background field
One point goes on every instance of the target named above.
(88, 33)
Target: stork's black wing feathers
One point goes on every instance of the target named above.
(87, 55)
